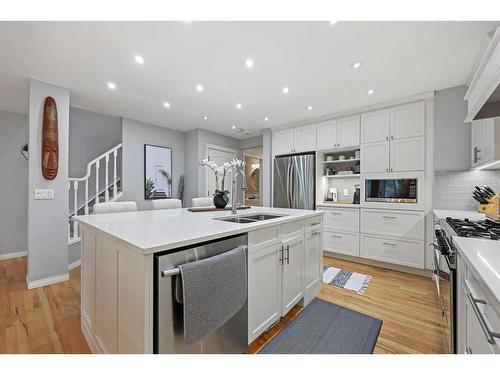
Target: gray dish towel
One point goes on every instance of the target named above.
(214, 289)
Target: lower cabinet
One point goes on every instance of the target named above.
(404, 252)
(341, 242)
(264, 289)
(281, 272)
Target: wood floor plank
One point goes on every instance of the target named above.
(47, 320)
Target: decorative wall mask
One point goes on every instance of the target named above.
(50, 139)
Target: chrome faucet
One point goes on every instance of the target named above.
(244, 187)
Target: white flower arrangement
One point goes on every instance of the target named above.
(220, 173)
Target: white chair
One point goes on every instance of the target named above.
(166, 204)
(203, 202)
(112, 207)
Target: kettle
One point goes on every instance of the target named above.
(356, 196)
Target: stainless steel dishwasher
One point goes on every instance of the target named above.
(168, 311)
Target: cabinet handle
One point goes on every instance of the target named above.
(387, 169)
(389, 217)
(336, 236)
(315, 233)
(287, 248)
(386, 137)
(336, 213)
(392, 137)
(468, 350)
(389, 243)
(392, 170)
(313, 224)
(281, 254)
(490, 335)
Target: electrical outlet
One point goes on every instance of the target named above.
(346, 192)
(43, 194)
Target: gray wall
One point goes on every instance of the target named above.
(14, 185)
(251, 142)
(47, 219)
(192, 165)
(451, 134)
(134, 135)
(267, 168)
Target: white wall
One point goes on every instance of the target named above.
(47, 219)
(14, 184)
(135, 135)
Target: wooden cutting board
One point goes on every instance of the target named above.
(206, 209)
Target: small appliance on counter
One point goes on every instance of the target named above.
(488, 201)
(332, 195)
(356, 196)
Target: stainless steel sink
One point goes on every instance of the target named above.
(249, 219)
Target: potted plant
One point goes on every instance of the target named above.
(221, 197)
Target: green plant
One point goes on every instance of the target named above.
(180, 188)
(168, 178)
(223, 194)
(149, 187)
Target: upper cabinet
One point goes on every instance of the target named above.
(408, 120)
(404, 121)
(375, 126)
(485, 144)
(343, 132)
(299, 139)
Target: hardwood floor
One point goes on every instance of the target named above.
(47, 320)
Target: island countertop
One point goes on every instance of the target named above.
(158, 230)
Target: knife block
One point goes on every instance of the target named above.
(490, 208)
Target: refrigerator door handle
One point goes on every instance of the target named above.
(290, 191)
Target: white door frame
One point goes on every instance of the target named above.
(210, 146)
(249, 154)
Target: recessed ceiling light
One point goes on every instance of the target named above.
(166, 104)
(205, 117)
(233, 127)
(333, 22)
(356, 65)
(249, 63)
(111, 86)
(239, 106)
(139, 59)
(286, 90)
(199, 88)
(266, 118)
(370, 92)
(309, 107)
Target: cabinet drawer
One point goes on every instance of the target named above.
(341, 242)
(404, 252)
(407, 224)
(344, 219)
(293, 228)
(314, 222)
(261, 238)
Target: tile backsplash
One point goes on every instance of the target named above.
(453, 190)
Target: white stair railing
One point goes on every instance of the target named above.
(93, 170)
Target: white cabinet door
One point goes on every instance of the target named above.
(305, 138)
(341, 242)
(264, 289)
(283, 142)
(292, 271)
(312, 262)
(488, 153)
(405, 224)
(408, 120)
(375, 126)
(476, 142)
(344, 219)
(405, 252)
(375, 157)
(407, 154)
(327, 135)
(476, 341)
(348, 131)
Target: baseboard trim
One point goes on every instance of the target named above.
(87, 334)
(13, 255)
(380, 264)
(46, 281)
(74, 264)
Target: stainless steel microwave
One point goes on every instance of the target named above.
(394, 190)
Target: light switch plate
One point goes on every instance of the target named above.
(346, 192)
(43, 194)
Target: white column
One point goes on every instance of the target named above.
(97, 181)
(115, 188)
(106, 192)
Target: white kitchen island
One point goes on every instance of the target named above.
(117, 267)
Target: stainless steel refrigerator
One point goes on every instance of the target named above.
(295, 181)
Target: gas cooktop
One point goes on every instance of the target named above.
(488, 229)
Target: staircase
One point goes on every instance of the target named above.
(105, 189)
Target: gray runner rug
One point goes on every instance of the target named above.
(326, 328)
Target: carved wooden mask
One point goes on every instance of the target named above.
(50, 139)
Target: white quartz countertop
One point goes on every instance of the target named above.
(483, 257)
(339, 205)
(158, 230)
(458, 214)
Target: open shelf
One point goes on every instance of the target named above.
(340, 161)
(342, 175)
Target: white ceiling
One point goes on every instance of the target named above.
(312, 58)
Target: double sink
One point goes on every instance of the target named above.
(250, 218)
